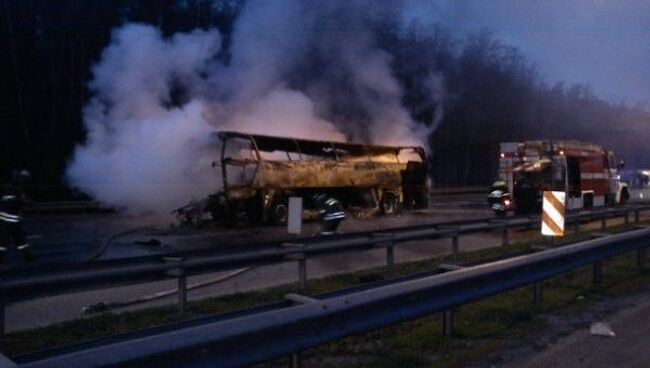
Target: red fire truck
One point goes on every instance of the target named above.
(588, 174)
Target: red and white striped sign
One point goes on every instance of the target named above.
(553, 209)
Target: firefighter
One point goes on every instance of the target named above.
(525, 195)
(12, 201)
(499, 184)
(331, 213)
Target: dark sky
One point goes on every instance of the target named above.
(605, 43)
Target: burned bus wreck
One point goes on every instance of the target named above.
(260, 173)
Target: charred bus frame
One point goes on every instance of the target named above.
(259, 174)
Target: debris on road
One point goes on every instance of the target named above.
(601, 329)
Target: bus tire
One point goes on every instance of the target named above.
(279, 213)
(389, 204)
(219, 208)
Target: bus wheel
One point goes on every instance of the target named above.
(253, 214)
(279, 213)
(389, 204)
(218, 208)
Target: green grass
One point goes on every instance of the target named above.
(480, 327)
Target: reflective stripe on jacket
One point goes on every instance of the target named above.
(8, 217)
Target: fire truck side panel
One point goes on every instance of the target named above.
(584, 170)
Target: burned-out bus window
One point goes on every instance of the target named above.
(278, 156)
(240, 161)
(409, 155)
(239, 149)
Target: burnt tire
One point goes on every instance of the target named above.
(279, 214)
(254, 215)
(390, 204)
(219, 209)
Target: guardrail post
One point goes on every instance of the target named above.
(386, 240)
(455, 246)
(603, 220)
(447, 322)
(295, 361)
(598, 272)
(636, 216)
(2, 325)
(504, 235)
(302, 265)
(640, 258)
(576, 226)
(179, 273)
(302, 273)
(390, 259)
(182, 293)
(537, 293)
(627, 218)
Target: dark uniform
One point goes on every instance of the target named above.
(526, 196)
(12, 201)
(331, 214)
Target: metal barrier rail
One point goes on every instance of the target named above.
(75, 278)
(36, 269)
(19, 286)
(247, 337)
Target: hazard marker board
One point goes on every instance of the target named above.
(553, 211)
(294, 220)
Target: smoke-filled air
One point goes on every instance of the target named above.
(307, 69)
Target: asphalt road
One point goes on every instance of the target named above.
(76, 238)
(86, 234)
(630, 348)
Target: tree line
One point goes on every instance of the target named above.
(474, 90)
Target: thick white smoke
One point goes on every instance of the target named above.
(295, 68)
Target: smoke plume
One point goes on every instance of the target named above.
(308, 69)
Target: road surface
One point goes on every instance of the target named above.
(87, 234)
(629, 318)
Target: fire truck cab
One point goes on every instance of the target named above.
(588, 174)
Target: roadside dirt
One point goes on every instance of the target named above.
(567, 341)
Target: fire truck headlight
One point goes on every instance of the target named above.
(506, 202)
(503, 155)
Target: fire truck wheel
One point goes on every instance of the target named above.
(389, 204)
(279, 213)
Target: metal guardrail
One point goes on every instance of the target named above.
(247, 337)
(66, 207)
(21, 285)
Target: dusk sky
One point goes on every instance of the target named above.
(603, 43)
